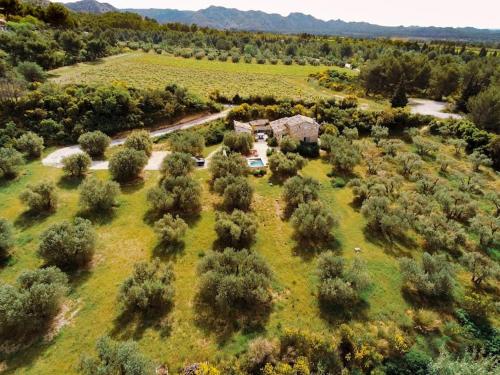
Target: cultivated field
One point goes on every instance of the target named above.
(125, 238)
(200, 76)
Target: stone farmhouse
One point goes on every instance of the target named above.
(299, 127)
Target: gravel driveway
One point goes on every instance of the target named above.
(55, 158)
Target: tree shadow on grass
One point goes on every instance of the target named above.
(25, 357)
(69, 183)
(224, 326)
(397, 246)
(98, 218)
(307, 249)
(152, 215)
(132, 187)
(29, 218)
(335, 315)
(132, 325)
(414, 298)
(169, 252)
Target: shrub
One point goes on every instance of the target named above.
(423, 146)
(10, 159)
(414, 362)
(115, 357)
(30, 144)
(178, 195)
(76, 165)
(487, 228)
(237, 229)
(68, 245)
(141, 141)
(434, 278)
(338, 182)
(150, 288)
(298, 190)
(97, 195)
(94, 143)
(426, 321)
(288, 144)
(31, 71)
(478, 159)
(378, 133)
(284, 166)
(312, 222)
(170, 230)
(469, 363)
(127, 164)
(31, 304)
(409, 163)
(188, 143)
(6, 238)
(260, 352)
(177, 164)
(235, 285)
(239, 142)
(40, 197)
(340, 286)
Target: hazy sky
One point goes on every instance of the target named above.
(477, 13)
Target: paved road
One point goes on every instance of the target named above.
(430, 107)
(55, 158)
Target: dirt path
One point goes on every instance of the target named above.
(430, 107)
(55, 158)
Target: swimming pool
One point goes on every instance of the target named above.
(255, 163)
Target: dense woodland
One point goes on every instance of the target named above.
(417, 182)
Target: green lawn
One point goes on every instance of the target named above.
(126, 238)
(149, 70)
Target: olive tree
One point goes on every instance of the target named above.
(176, 195)
(286, 165)
(434, 278)
(288, 144)
(423, 146)
(94, 143)
(456, 205)
(177, 164)
(40, 197)
(67, 244)
(378, 133)
(458, 144)
(150, 289)
(29, 306)
(10, 160)
(313, 223)
(141, 141)
(481, 267)
(6, 238)
(409, 163)
(127, 164)
(223, 165)
(188, 143)
(391, 147)
(298, 190)
(237, 229)
(440, 233)
(350, 134)
(116, 357)
(76, 165)
(487, 228)
(341, 286)
(238, 142)
(344, 155)
(30, 144)
(170, 230)
(478, 159)
(238, 195)
(383, 217)
(235, 285)
(98, 195)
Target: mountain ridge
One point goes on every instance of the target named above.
(296, 23)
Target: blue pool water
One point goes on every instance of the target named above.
(254, 163)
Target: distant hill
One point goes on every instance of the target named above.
(91, 6)
(295, 23)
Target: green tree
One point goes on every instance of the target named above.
(237, 229)
(67, 244)
(284, 166)
(98, 195)
(298, 190)
(481, 267)
(313, 223)
(115, 357)
(6, 238)
(177, 164)
(288, 144)
(40, 197)
(127, 164)
(150, 288)
(141, 141)
(170, 230)
(94, 143)
(30, 144)
(238, 142)
(10, 160)
(188, 143)
(31, 71)
(399, 98)
(76, 165)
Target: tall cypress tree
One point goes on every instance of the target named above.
(399, 99)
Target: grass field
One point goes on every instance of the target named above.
(201, 76)
(126, 238)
